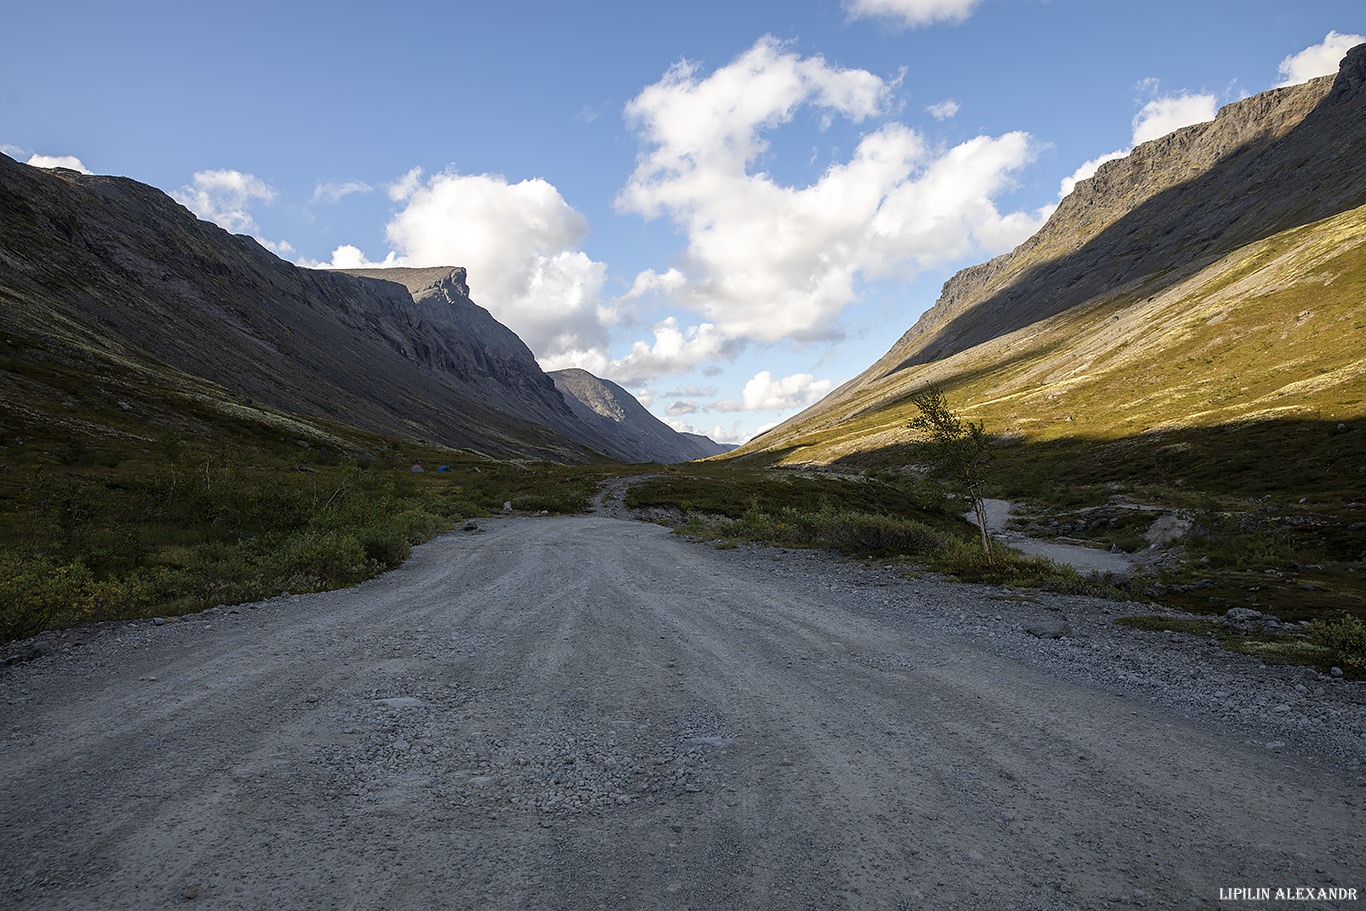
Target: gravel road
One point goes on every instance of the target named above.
(585, 713)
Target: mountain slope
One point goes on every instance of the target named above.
(1213, 277)
(633, 433)
(113, 276)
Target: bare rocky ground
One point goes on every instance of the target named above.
(585, 712)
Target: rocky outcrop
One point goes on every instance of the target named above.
(634, 435)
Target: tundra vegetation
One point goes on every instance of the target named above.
(126, 498)
(104, 530)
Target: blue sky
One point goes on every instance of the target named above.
(729, 208)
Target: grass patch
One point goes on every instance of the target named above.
(127, 528)
(887, 516)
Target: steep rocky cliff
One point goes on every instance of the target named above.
(115, 276)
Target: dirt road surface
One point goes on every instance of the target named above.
(585, 713)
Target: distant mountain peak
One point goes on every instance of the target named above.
(620, 417)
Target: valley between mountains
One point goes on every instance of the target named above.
(586, 712)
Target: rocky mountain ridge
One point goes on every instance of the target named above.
(111, 275)
(1136, 258)
(618, 416)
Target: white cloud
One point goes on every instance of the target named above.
(1085, 171)
(350, 257)
(764, 393)
(767, 261)
(651, 282)
(283, 249)
(519, 244)
(1165, 115)
(1317, 60)
(405, 186)
(327, 191)
(944, 109)
(58, 161)
(731, 434)
(692, 390)
(912, 12)
(682, 406)
(675, 350)
(223, 196)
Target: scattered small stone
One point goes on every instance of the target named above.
(311, 697)
(1049, 629)
(1245, 619)
(193, 891)
(471, 526)
(158, 621)
(40, 649)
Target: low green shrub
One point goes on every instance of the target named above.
(848, 532)
(880, 535)
(328, 557)
(1346, 639)
(43, 594)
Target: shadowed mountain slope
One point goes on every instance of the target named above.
(630, 429)
(1214, 276)
(113, 276)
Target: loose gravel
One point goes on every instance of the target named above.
(587, 712)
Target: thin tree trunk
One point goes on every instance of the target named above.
(980, 506)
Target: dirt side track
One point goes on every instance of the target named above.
(583, 713)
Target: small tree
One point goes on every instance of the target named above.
(960, 449)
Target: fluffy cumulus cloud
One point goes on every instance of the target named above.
(944, 109)
(58, 161)
(912, 13)
(348, 256)
(765, 393)
(519, 243)
(1165, 115)
(766, 261)
(675, 350)
(651, 282)
(1317, 60)
(224, 197)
